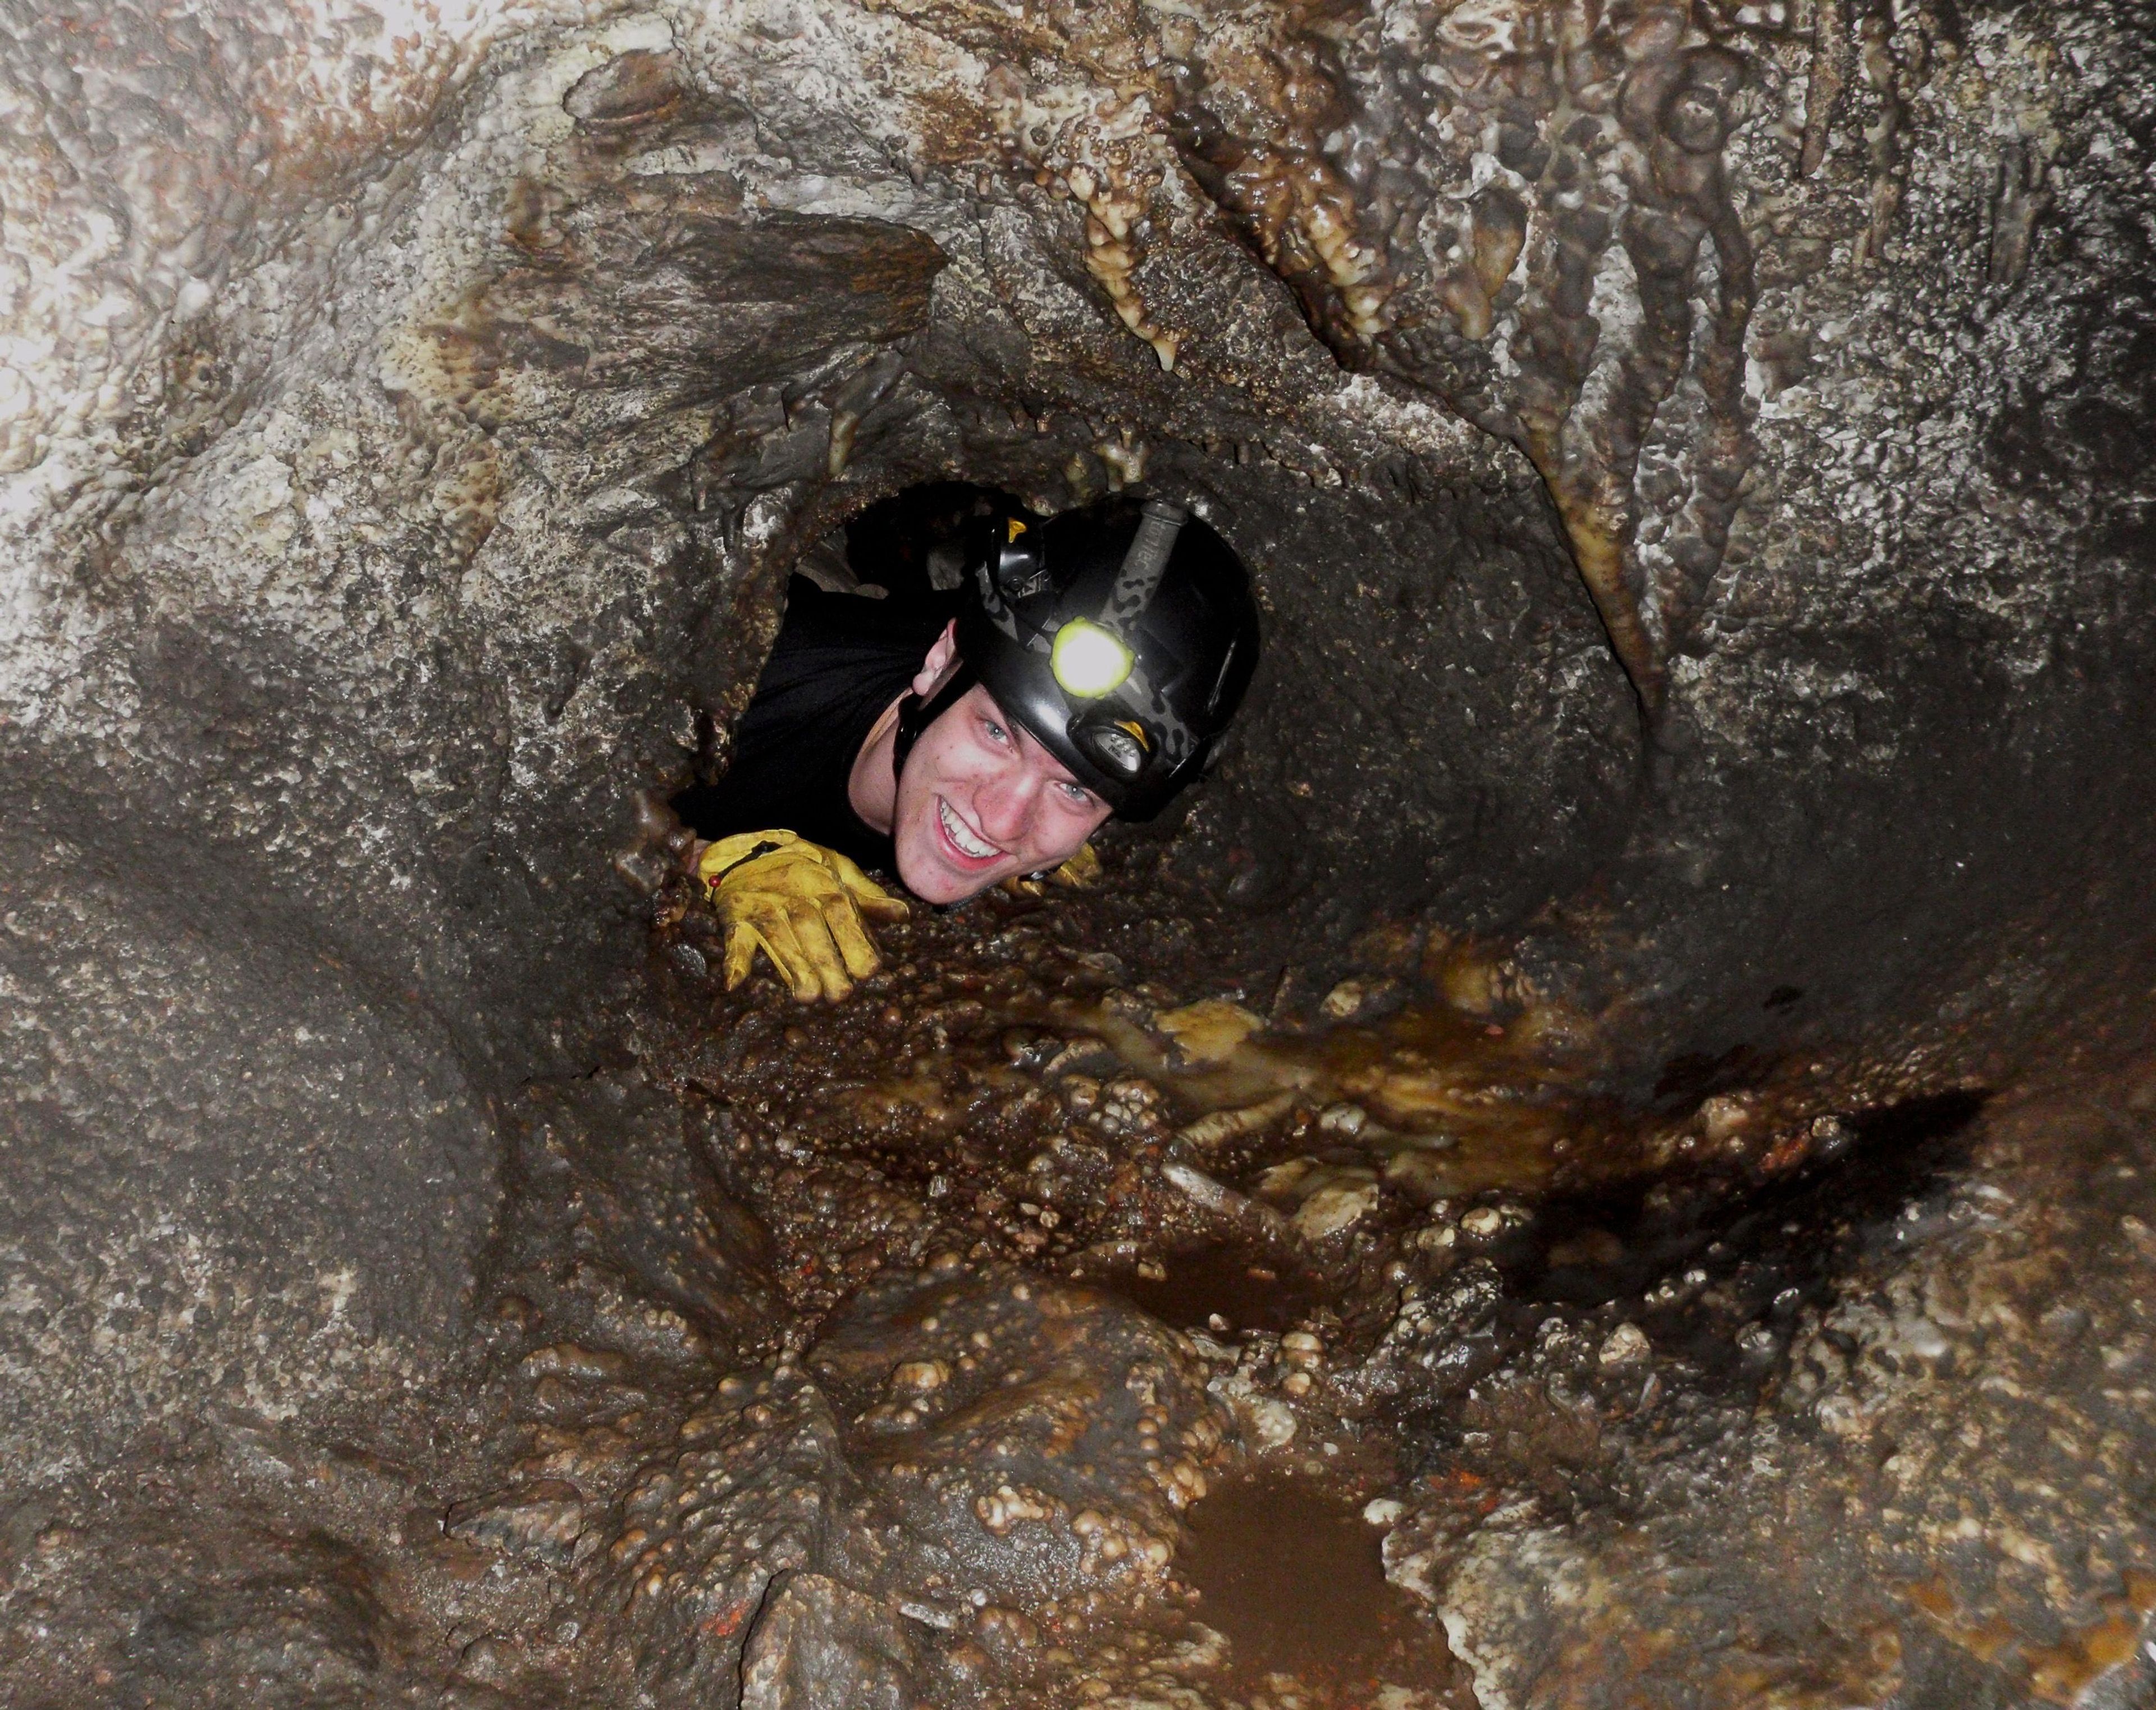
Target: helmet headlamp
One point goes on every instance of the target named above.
(1089, 659)
(1132, 695)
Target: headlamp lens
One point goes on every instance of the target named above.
(1088, 659)
(1115, 748)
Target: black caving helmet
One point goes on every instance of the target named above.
(1122, 636)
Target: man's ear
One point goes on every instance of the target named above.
(941, 660)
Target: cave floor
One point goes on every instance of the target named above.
(1067, 1319)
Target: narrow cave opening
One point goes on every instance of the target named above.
(1437, 721)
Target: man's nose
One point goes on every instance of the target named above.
(1005, 804)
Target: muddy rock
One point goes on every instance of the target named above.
(751, 1488)
(1062, 1435)
(817, 1645)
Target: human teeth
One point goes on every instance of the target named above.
(967, 843)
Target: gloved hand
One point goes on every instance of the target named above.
(799, 903)
(1080, 871)
(1076, 873)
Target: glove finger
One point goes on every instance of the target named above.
(872, 900)
(1081, 870)
(813, 933)
(783, 947)
(855, 944)
(742, 943)
(791, 933)
(846, 867)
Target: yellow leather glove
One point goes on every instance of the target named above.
(1080, 871)
(799, 903)
(1076, 873)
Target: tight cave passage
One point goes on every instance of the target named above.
(1605, 1155)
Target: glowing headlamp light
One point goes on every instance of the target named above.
(1089, 659)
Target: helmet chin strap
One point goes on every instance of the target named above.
(915, 715)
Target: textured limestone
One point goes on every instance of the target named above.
(1948, 1445)
(235, 1168)
(1689, 453)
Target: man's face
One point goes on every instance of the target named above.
(979, 800)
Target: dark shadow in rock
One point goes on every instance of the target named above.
(611, 1163)
(320, 1623)
(228, 1151)
(1760, 1249)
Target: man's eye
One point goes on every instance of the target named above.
(996, 732)
(1077, 796)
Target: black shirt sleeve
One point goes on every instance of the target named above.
(840, 660)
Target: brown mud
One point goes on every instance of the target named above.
(1295, 1583)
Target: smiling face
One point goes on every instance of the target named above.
(979, 800)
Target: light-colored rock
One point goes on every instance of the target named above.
(917, 1377)
(1627, 1345)
(1207, 1032)
(1333, 1210)
(543, 1519)
(1218, 1127)
(1300, 1348)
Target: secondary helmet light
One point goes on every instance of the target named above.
(1122, 746)
(1089, 659)
(1020, 573)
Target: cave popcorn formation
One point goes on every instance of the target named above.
(1629, 1090)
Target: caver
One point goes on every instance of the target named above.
(1095, 661)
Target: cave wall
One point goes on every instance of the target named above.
(1681, 448)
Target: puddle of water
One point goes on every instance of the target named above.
(1606, 1245)
(1201, 1282)
(1290, 1572)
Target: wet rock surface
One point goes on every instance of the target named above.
(1608, 1146)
